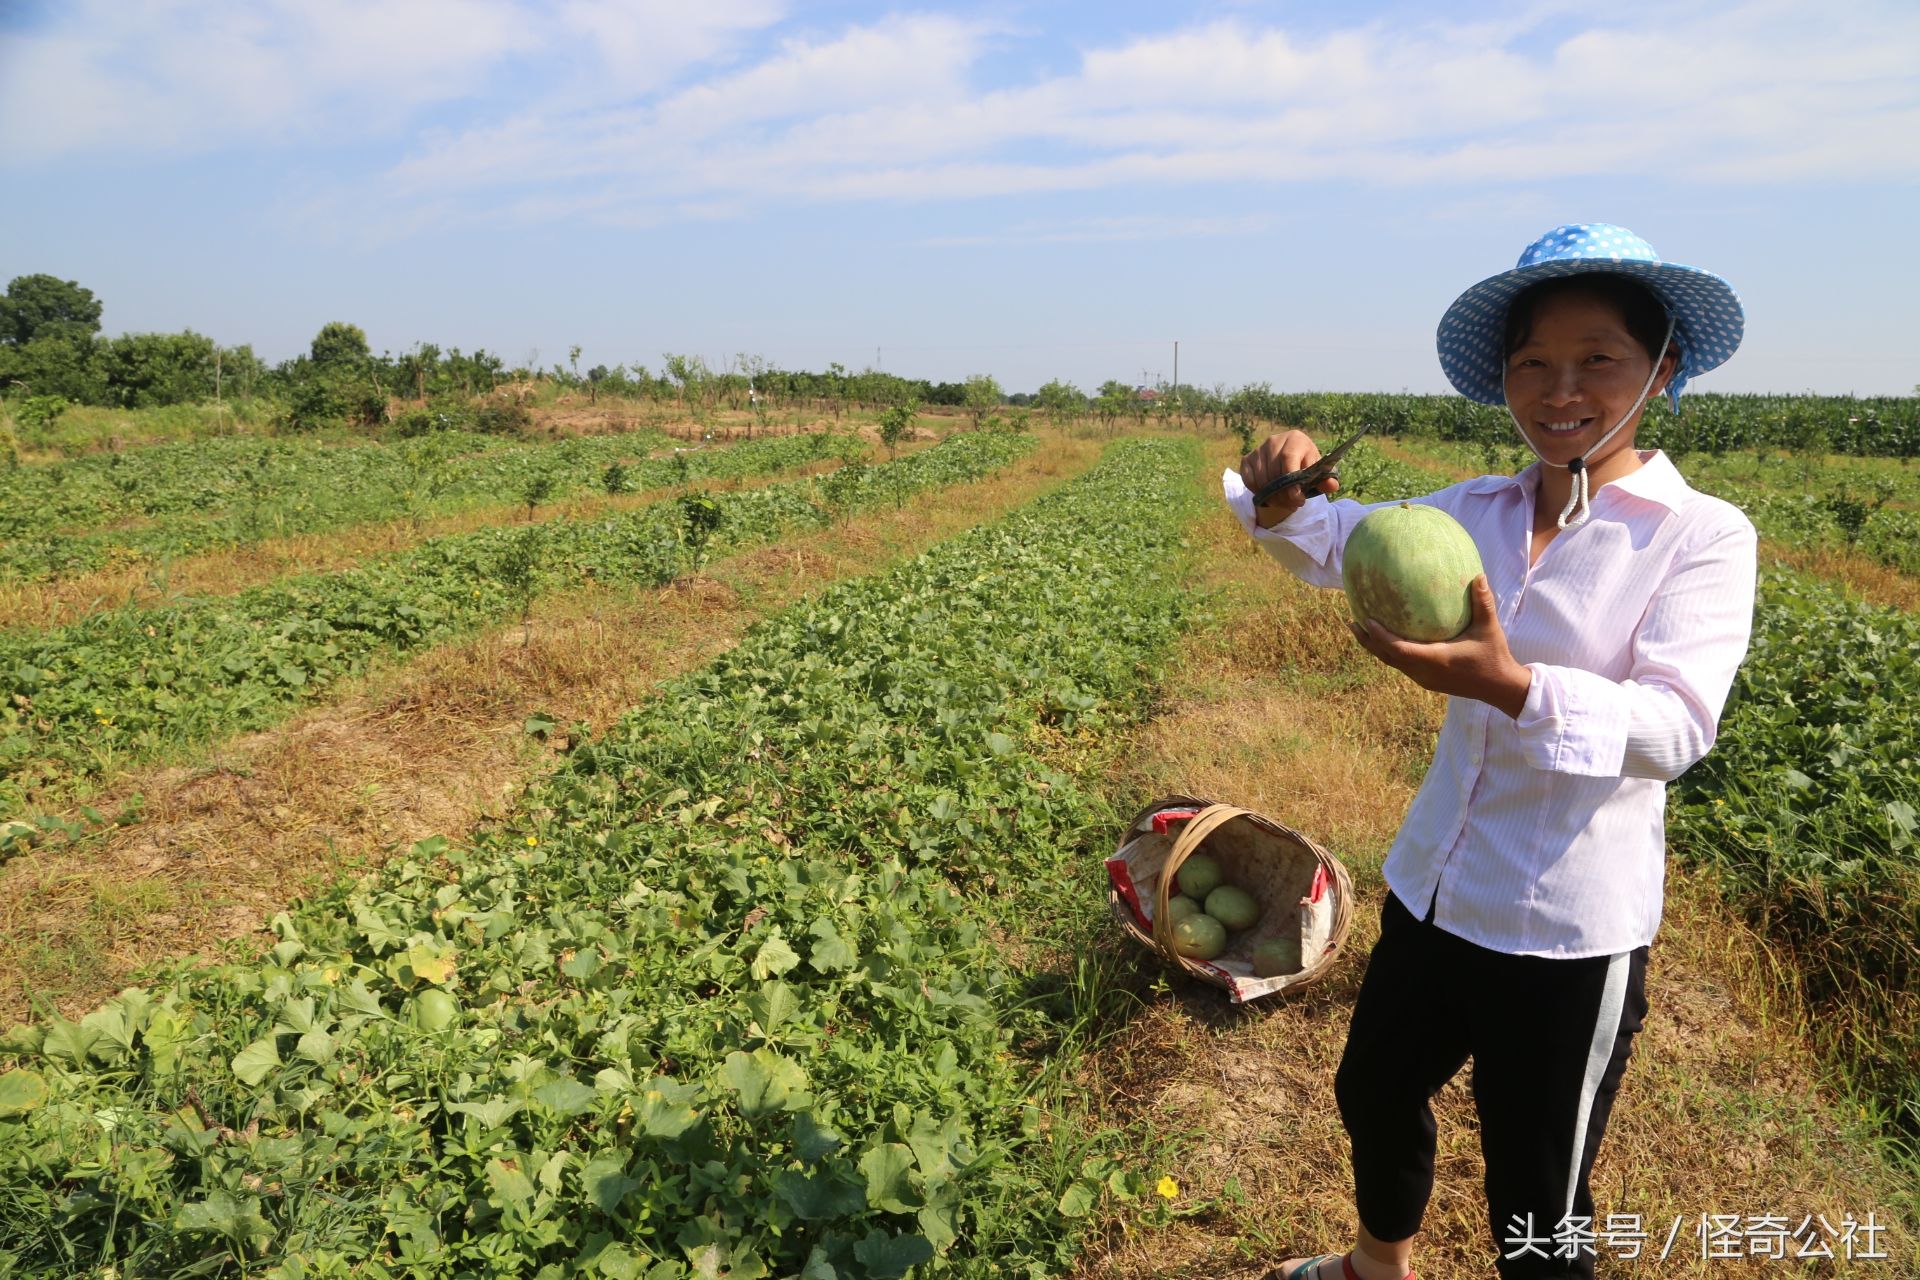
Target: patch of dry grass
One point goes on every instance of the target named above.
(1723, 1109)
(431, 747)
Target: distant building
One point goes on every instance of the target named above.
(1145, 394)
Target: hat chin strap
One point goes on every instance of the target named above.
(1577, 469)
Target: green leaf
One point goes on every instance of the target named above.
(817, 1196)
(813, 1140)
(253, 1063)
(606, 1182)
(508, 1186)
(766, 1082)
(888, 1169)
(1901, 816)
(315, 1046)
(585, 963)
(1000, 744)
(774, 957)
(1078, 1200)
(221, 1213)
(830, 952)
(617, 1262)
(937, 1224)
(666, 1109)
(112, 1033)
(491, 1114)
(566, 1095)
(68, 1040)
(887, 1256)
(772, 1005)
(22, 1038)
(21, 1091)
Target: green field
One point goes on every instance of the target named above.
(801, 966)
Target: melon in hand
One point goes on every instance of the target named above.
(1409, 568)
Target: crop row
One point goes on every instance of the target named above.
(133, 683)
(1887, 426)
(1867, 506)
(722, 999)
(178, 500)
(1809, 807)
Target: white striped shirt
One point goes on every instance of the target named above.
(1545, 834)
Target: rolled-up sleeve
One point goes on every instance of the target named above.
(1304, 542)
(1309, 542)
(1663, 717)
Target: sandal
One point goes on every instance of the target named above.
(1309, 1269)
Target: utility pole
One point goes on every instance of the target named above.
(1176, 370)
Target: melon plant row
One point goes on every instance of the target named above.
(1870, 506)
(136, 683)
(175, 500)
(1809, 807)
(1886, 426)
(730, 995)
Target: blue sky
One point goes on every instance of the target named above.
(1294, 191)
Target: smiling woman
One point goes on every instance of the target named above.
(1526, 882)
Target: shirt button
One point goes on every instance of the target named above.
(1476, 757)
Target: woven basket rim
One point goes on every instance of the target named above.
(1341, 887)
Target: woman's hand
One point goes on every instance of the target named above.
(1474, 664)
(1273, 459)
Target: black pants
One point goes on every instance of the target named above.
(1549, 1041)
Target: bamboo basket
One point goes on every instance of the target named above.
(1304, 892)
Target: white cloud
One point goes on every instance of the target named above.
(607, 122)
(183, 76)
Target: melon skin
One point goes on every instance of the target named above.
(1276, 956)
(1233, 907)
(1198, 876)
(1199, 936)
(1409, 568)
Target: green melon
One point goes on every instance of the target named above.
(1197, 876)
(1200, 936)
(1180, 906)
(1276, 956)
(434, 1009)
(1232, 906)
(1408, 568)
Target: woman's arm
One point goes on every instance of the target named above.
(1310, 540)
(1663, 717)
(1654, 724)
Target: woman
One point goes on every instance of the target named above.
(1525, 884)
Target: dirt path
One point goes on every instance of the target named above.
(1722, 1111)
(431, 747)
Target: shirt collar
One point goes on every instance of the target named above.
(1657, 481)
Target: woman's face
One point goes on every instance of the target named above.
(1575, 376)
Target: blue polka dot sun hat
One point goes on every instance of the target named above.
(1707, 317)
(1704, 319)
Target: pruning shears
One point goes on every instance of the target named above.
(1309, 478)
